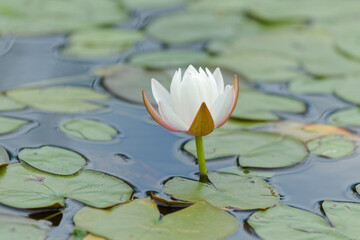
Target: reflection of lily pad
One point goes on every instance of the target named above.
(25, 187)
(101, 42)
(331, 146)
(9, 124)
(15, 227)
(4, 157)
(7, 104)
(53, 159)
(168, 59)
(140, 219)
(58, 99)
(256, 149)
(226, 190)
(88, 129)
(284, 222)
(349, 117)
(254, 105)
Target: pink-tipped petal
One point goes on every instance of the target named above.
(155, 115)
(203, 123)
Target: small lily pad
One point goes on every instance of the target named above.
(4, 157)
(284, 222)
(25, 187)
(59, 99)
(88, 129)
(349, 117)
(15, 227)
(332, 146)
(9, 124)
(140, 219)
(226, 190)
(256, 149)
(7, 104)
(53, 159)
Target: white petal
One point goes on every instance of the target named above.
(213, 85)
(175, 90)
(190, 72)
(219, 80)
(169, 116)
(159, 92)
(222, 106)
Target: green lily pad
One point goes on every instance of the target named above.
(247, 172)
(256, 149)
(15, 227)
(88, 129)
(348, 90)
(140, 219)
(346, 117)
(253, 105)
(226, 190)
(25, 187)
(315, 86)
(332, 146)
(7, 104)
(349, 45)
(284, 222)
(228, 6)
(9, 124)
(53, 159)
(145, 4)
(168, 59)
(193, 27)
(101, 42)
(59, 99)
(259, 67)
(4, 157)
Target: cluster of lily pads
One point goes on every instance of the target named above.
(309, 44)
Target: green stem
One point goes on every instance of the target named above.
(200, 155)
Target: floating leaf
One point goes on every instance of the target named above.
(4, 157)
(9, 124)
(25, 187)
(315, 86)
(58, 99)
(7, 104)
(256, 149)
(88, 129)
(101, 42)
(15, 227)
(226, 190)
(349, 45)
(332, 146)
(284, 222)
(246, 172)
(168, 59)
(193, 26)
(349, 117)
(53, 159)
(140, 219)
(253, 105)
(348, 90)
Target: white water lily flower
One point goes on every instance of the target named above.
(197, 103)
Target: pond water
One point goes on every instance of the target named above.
(143, 153)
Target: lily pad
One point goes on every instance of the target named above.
(348, 90)
(25, 187)
(256, 149)
(226, 190)
(349, 117)
(7, 104)
(15, 227)
(101, 42)
(168, 59)
(247, 172)
(331, 146)
(253, 105)
(349, 45)
(88, 129)
(4, 157)
(9, 124)
(140, 219)
(284, 222)
(59, 99)
(53, 159)
(146, 4)
(194, 27)
(315, 86)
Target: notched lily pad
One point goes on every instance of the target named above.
(9, 124)
(88, 129)
(284, 222)
(53, 159)
(332, 146)
(25, 187)
(140, 219)
(226, 190)
(256, 149)
(59, 99)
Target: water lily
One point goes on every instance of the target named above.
(197, 103)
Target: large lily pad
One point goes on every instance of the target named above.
(25, 187)
(88, 129)
(226, 190)
(349, 117)
(15, 227)
(332, 146)
(59, 99)
(9, 124)
(284, 222)
(53, 159)
(256, 149)
(168, 59)
(253, 105)
(140, 219)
